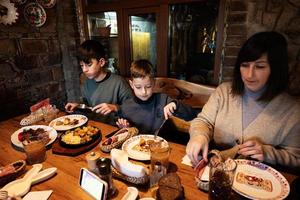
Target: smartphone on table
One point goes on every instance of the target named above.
(92, 184)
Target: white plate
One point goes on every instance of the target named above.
(52, 134)
(82, 120)
(134, 154)
(281, 187)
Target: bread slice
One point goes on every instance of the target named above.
(169, 187)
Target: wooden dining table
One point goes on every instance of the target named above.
(65, 184)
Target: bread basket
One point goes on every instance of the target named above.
(135, 180)
(19, 168)
(118, 139)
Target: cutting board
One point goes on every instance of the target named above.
(58, 149)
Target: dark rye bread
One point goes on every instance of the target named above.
(169, 187)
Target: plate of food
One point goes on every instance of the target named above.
(256, 180)
(138, 147)
(79, 137)
(35, 132)
(68, 122)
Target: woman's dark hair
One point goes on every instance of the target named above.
(141, 68)
(274, 45)
(90, 49)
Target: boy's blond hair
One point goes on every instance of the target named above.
(141, 69)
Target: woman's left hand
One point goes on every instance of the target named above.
(253, 149)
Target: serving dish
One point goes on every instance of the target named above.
(130, 146)
(60, 124)
(280, 186)
(79, 137)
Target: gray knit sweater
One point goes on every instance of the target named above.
(277, 126)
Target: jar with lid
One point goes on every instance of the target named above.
(105, 173)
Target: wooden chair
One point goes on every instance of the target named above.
(195, 95)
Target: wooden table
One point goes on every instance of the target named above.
(65, 183)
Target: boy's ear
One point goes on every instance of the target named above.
(102, 62)
(131, 83)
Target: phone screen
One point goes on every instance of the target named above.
(92, 184)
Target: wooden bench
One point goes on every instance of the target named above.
(195, 95)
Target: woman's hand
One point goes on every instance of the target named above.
(105, 108)
(196, 145)
(253, 149)
(70, 107)
(122, 123)
(169, 109)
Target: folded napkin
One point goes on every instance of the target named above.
(119, 160)
(38, 195)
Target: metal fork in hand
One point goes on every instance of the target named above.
(157, 130)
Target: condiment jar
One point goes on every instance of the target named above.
(104, 169)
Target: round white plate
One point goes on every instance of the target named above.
(134, 154)
(81, 118)
(281, 187)
(52, 134)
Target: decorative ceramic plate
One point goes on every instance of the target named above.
(130, 144)
(52, 134)
(68, 122)
(47, 3)
(266, 175)
(35, 14)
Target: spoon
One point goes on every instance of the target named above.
(21, 186)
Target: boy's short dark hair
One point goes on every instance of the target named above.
(141, 69)
(274, 45)
(90, 49)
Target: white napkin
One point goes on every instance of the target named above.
(186, 160)
(119, 160)
(38, 195)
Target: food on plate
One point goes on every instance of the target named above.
(67, 121)
(79, 135)
(143, 145)
(169, 187)
(257, 182)
(31, 135)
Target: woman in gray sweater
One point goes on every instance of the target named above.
(254, 111)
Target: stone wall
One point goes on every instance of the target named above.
(37, 63)
(246, 17)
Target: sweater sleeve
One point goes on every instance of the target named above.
(124, 91)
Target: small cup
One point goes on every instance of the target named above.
(35, 151)
(221, 177)
(159, 156)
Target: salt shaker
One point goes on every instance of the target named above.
(104, 169)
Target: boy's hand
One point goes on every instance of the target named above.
(122, 123)
(169, 110)
(105, 108)
(70, 107)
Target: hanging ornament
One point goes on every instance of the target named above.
(8, 12)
